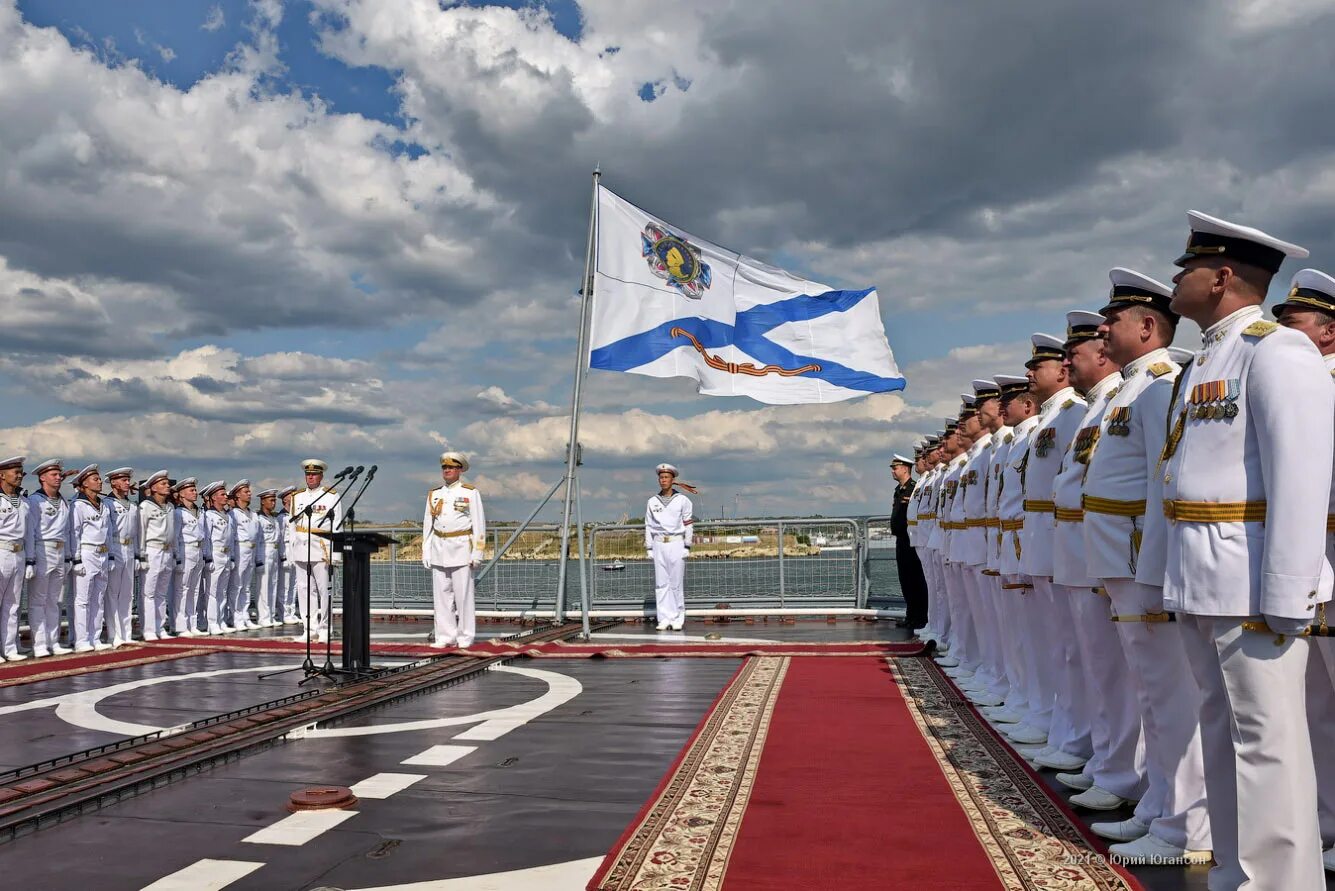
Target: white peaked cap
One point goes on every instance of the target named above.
(1180, 356)
(1121, 277)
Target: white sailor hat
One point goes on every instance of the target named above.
(1082, 325)
(454, 459)
(666, 467)
(1131, 288)
(185, 484)
(127, 472)
(1310, 289)
(314, 465)
(16, 461)
(984, 390)
(267, 493)
(237, 485)
(1213, 237)
(1012, 385)
(211, 488)
(900, 459)
(155, 476)
(1045, 347)
(46, 465)
(83, 474)
(286, 491)
(968, 399)
(1180, 356)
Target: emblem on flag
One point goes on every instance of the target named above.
(675, 260)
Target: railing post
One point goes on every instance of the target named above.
(781, 586)
(496, 577)
(394, 573)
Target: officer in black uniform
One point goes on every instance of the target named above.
(911, 580)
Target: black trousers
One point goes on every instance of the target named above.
(912, 582)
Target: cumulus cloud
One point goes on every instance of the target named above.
(214, 19)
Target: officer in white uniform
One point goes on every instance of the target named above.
(454, 534)
(119, 597)
(189, 569)
(1310, 309)
(987, 686)
(1245, 491)
(963, 647)
(667, 539)
(1007, 626)
(248, 556)
(287, 581)
(269, 558)
(971, 673)
(17, 554)
(316, 512)
(980, 552)
(923, 496)
(49, 518)
(219, 555)
(95, 550)
(157, 541)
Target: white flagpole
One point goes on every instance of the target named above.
(572, 446)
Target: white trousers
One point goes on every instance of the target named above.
(153, 596)
(44, 594)
(960, 581)
(1321, 724)
(1117, 760)
(1044, 657)
(988, 629)
(944, 622)
(1259, 771)
(287, 592)
(452, 592)
(933, 609)
(89, 589)
(670, 580)
(266, 592)
(238, 588)
(186, 582)
(1071, 703)
(119, 599)
(313, 592)
(12, 567)
(216, 578)
(1010, 612)
(1170, 712)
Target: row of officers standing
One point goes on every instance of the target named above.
(201, 569)
(1128, 556)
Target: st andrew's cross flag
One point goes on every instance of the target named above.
(668, 304)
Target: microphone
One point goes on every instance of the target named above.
(370, 476)
(344, 472)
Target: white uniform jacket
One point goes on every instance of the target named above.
(16, 533)
(454, 526)
(126, 519)
(249, 537)
(668, 519)
(969, 542)
(308, 544)
(1125, 457)
(945, 504)
(1010, 508)
(49, 519)
(271, 544)
(1069, 565)
(219, 537)
(924, 495)
(157, 527)
(1060, 419)
(1246, 475)
(189, 534)
(93, 533)
(1001, 449)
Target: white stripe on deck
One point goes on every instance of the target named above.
(677, 637)
(299, 828)
(205, 875)
(438, 756)
(383, 785)
(571, 876)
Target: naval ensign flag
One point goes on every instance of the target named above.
(668, 304)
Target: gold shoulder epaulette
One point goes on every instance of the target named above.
(327, 489)
(1010, 437)
(1159, 369)
(468, 485)
(1260, 328)
(1068, 403)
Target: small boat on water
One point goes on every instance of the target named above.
(614, 566)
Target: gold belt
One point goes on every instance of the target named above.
(126, 541)
(1038, 507)
(975, 524)
(15, 546)
(1215, 511)
(1101, 591)
(1016, 587)
(1012, 525)
(992, 523)
(1113, 506)
(913, 522)
(101, 549)
(926, 516)
(1068, 514)
(1146, 617)
(160, 545)
(990, 572)
(54, 542)
(459, 534)
(667, 538)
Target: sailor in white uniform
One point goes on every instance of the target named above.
(1246, 474)
(95, 550)
(454, 534)
(248, 557)
(1310, 309)
(269, 558)
(316, 512)
(119, 596)
(1009, 629)
(290, 607)
(49, 518)
(667, 539)
(157, 541)
(219, 555)
(190, 547)
(17, 554)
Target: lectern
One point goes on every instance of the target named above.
(357, 548)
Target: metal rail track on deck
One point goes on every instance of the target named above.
(58, 789)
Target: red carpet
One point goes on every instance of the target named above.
(821, 774)
(32, 670)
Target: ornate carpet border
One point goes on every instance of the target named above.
(53, 668)
(1031, 840)
(684, 836)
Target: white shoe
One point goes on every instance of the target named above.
(442, 645)
(252, 626)
(678, 626)
(83, 648)
(948, 662)
(117, 644)
(165, 635)
(228, 629)
(1003, 715)
(322, 637)
(663, 626)
(100, 646)
(14, 657)
(1149, 850)
(1121, 831)
(1077, 781)
(1026, 735)
(150, 636)
(291, 621)
(982, 697)
(61, 651)
(215, 632)
(1096, 799)
(1059, 760)
(1328, 858)
(1029, 753)
(39, 654)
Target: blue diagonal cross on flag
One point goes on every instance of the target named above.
(667, 304)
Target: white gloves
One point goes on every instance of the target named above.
(287, 562)
(426, 563)
(80, 570)
(29, 571)
(141, 565)
(649, 554)
(231, 564)
(337, 558)
(1283, 625)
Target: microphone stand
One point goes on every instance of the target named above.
(328, 670)
(349, 521)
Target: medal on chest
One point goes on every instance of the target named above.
(1212, 400)
(1046, 439)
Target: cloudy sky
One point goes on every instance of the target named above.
(236, 234)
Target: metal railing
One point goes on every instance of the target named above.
(880, 569)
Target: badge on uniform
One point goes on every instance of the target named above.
(1045, 440)
(1084, 444)
(1119, 421)
(461, 505)
(1211, 400)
